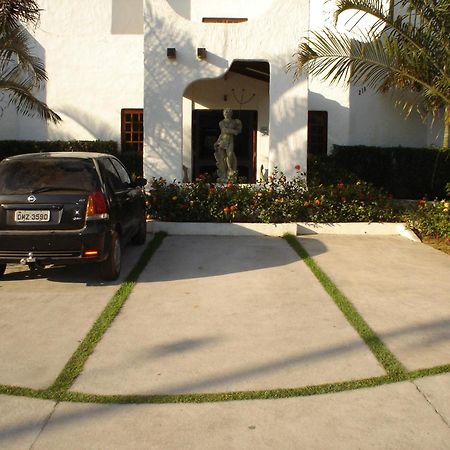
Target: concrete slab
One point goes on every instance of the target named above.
(43, 318)
(21, 421)
(214, 314)
(437, 391)
(388, 417)
(401, 288)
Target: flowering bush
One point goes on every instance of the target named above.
(275, 200)
(431, 219)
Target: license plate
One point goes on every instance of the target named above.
(35, 215)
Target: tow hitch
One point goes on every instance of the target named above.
(32, 262)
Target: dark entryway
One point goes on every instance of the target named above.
(205, 131)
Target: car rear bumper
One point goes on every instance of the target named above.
(54, 247)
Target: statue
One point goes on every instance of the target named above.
(226, 161)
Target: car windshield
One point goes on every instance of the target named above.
(23, 176)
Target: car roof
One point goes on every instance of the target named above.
(45, 155)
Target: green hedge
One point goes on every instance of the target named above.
(11, 148)
(131, 160)
(404, 172)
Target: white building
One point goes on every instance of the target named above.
(170, 67)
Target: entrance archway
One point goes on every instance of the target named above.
(245, 90)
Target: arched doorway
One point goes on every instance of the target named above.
(245, 90)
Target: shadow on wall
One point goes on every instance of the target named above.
(22, 127)
(161, 136)
(86, 125)
(163, 109)
(127, 17)
(376, 120)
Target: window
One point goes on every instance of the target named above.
(317, 132)
(113, 180)
(133, 130)
(123, 174)
(133, 139)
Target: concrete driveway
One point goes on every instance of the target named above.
(234, 314)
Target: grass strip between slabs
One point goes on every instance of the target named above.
(59, 391)
(76, 363)
(385, 357)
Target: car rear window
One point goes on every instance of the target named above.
(50, 174)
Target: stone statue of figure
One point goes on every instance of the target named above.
(226, 161)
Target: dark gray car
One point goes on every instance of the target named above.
(63, 208)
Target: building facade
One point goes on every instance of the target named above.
(155, 76)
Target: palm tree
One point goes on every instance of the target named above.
(407, 49)
(21, 72)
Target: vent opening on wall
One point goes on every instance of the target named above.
(224, 19)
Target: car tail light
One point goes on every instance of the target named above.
(96, 206)
(88, 253)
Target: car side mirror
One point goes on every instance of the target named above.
(140, 182)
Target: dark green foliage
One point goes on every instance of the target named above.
(12, 148)
(404, 172)
(273, 201)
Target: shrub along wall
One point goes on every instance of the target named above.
(404, 172)
(11, 148)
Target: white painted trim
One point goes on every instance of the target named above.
(279, 229)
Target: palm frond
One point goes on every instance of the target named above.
(14, 47)
(26, 103)
(15, 12)
(407, 49)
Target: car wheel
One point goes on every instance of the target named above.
(110, 268)
(141, 235)
(2, 269)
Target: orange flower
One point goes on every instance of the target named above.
(226, 210)
(233, 207)
(317, 202)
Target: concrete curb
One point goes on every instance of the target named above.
(279, 229)
(222, 229)
(357, 228)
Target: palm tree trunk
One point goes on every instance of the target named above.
(446, 126)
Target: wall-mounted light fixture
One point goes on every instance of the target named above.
(201, 53)
(171, 53)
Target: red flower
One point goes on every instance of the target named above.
(421, 202)
(226, 210)
(317, 202)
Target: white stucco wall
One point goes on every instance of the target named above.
(196, 10)
(265, 37)
(93, 73)
(359, 115)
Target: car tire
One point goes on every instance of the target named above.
(110, 267)
(141, 235)
(2, 269)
